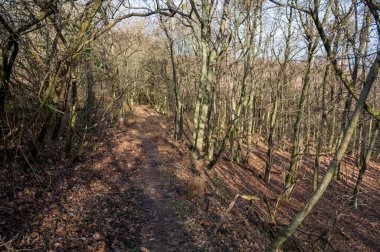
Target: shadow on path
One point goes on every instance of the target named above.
(117, 199)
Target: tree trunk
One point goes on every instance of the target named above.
(322, 130)
(276, 92)
(90, 96)
(290, 179)
(365, 157)
(73, 116)
(288, 231)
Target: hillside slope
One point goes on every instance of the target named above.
(139, 190)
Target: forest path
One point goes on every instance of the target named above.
(161, 228)
(137, 190)
(121, 196)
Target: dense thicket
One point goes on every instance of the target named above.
(300, 75)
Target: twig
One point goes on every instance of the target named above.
(9, 134)
(233, 202)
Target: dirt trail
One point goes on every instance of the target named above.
(120, 197)
(161, 229)
(137, 190)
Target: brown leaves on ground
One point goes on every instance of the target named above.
(141, 191)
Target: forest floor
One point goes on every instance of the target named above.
(138, 190)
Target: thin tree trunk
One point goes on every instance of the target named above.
(365, 157)
(290, 179)
(177, 106)
(276, 93)
(322, 130)
(288, 231)
(272, 125)
(73, 116)
(90, 99)
(61, 72)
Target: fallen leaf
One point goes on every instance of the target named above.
(144, 249)
(96, 236)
